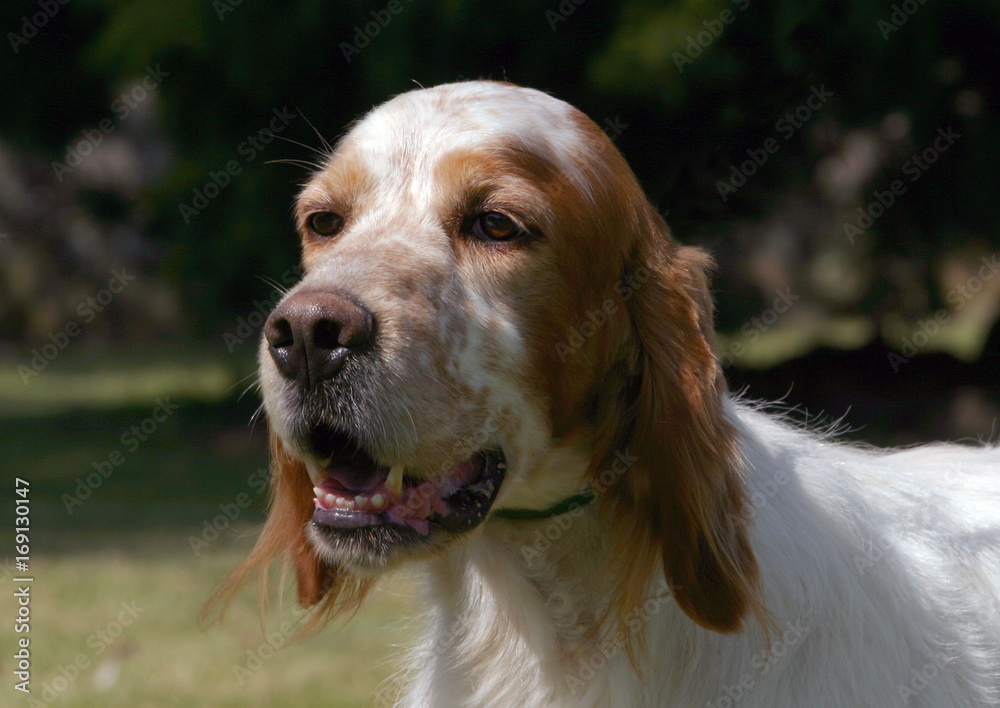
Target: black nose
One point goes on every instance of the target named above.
(311, 334)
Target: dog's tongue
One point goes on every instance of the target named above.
(465, 473)
(360, 477)
(354, 494)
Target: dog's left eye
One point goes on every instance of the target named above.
(494, 226)
(325, 223)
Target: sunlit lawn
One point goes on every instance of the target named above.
(118, 586)
(101, 540)
(129, 619)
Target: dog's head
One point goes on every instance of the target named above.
(492, 314)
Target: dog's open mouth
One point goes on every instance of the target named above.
(353, 491)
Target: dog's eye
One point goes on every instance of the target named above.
(494, 226)
(325, 223)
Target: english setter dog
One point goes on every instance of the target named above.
(499, 366)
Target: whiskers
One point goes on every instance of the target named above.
(253, 385)
(323, 153)
(258, 415)
(283, 289)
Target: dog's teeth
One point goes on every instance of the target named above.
(361, 500)
(378, 501)
(394, 482)
(330, 501)
(316, 473)
(318, 493)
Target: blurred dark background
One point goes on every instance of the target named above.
(838, 158)
(121, 118)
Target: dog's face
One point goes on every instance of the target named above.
(422, 369)
(492, 314)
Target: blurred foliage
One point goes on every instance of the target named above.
(229, 64)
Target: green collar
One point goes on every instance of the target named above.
(574, 502)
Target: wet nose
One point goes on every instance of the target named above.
(311, 334)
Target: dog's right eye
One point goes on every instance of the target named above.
(325, 223)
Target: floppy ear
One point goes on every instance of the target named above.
(327, 587)
(682, 499)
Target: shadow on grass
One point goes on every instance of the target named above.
(159, 454)
(101, 475)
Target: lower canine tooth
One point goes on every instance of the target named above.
(394, 482)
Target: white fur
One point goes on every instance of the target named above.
(880, 570)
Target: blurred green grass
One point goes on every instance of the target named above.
(130, 541)
(128, 617)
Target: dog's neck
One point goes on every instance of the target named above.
(526, 595)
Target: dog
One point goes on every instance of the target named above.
(499, 367)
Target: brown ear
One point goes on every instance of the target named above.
(682, 498)
(322, 585)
